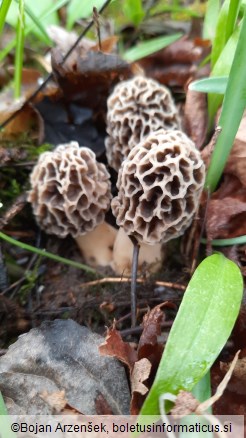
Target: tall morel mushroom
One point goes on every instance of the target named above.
(160, 184)
(70, 192)
(136, 108)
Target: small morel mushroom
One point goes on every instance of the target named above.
(159, 183)
(70, 192)
(136, 108)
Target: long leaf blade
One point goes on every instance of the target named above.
(232, 111)
(148, 47)
(202, 326)
(210, 85)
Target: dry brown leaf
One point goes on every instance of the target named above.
(195, 121)
(151, 328)
(238, 381)
(116, 347)
(102, 406)
(226, 213)
(140, 374)
(236, 164)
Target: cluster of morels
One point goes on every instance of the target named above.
(160, 179)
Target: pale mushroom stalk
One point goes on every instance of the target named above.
(135, 255)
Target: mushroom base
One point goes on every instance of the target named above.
(97, 245)
(150, 256)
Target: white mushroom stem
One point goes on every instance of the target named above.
(97, 245)
(150, 256)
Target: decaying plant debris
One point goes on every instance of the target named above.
(38, 294)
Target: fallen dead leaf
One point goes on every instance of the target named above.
(195, 117)
(114, 346)
(226, 211)
(140, 373)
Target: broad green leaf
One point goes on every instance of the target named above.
(78, 9)
(148, 47)
(232, 111)
(210, 85)
(201, 328)
(210, 19)
(134, 11)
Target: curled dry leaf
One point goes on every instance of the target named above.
(61, 356)
(175, 64)
(89, 77)
(226, 213)
(140, 373)
(116, 347)
(195, 117)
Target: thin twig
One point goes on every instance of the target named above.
(128, 280)
(135, 255)
(50, 76)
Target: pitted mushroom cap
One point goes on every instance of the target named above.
(159, 185)
(136, 108)
(70, 190)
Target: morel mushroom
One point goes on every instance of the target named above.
(136, 108)
(159, 185)
(70, 193)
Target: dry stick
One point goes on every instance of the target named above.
(134, 280)
(97, 24)
(50, 76)
(128, 279)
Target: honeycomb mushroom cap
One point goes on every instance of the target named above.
(136, 108)
(159, 185)
(70, 190)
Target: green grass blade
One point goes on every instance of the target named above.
(3, 409)
(134, 11)
(222, 68)
(201, 328)
(210, 19)
(220, 33)
(148, 47)
(227, 242)
(11, 45)
(39, 25)
(210, 85)
(47, 254)
(19, 53)
(232, 17)
(3, 13)
(232, 111)
(78, 9)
